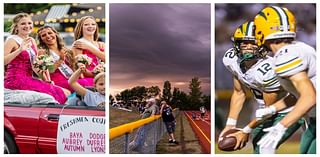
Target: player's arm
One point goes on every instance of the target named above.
(285, 102)
(237, 99)
(243, 135)
(269, 98)
(274, 101)
(274, 96)
(306, 100)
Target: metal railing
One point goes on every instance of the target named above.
(139, 137)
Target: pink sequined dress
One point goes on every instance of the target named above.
(61, 80)
(95, 60)
(19, 76)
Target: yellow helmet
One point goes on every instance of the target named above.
(274, 23)
(244, 32)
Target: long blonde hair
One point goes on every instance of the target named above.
(78, 33)
(15, 21)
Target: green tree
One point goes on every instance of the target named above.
(7, 25)
(111, 99)
(180, 100)
(206, 102)
(195, 92)
(183, 102)
(14, 8)
(126, 96)
(175, 97)
(118, 97)
(138, 93)
(166, 92)
(153, 91)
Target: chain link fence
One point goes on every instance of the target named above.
(141, 140)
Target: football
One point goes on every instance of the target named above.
(228, 143)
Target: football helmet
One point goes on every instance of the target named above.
(274, 22)
(245, 33)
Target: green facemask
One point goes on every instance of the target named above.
(247, 56)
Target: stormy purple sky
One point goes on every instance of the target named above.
(151, 43)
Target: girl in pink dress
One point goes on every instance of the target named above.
(52, 44)
(86, 42)
(20, 52)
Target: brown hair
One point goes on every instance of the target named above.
(16, 19)
(60, 44)
(78, 30)
(43, 45)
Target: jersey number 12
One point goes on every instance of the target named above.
(265, 68)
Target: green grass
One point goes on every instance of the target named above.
(119, 117)
(288, 147)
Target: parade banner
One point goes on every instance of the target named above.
(81, 135)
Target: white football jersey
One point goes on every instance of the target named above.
(260, 78)
(292, 59)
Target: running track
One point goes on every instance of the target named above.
(201, 129)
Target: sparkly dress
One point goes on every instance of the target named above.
(60, 78)
(19, 75)
(95, 59)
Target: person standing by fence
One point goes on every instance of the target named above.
(151, 109)
(169, 120)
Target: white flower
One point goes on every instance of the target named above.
(84, 59)
(44, 62)
(99, 68)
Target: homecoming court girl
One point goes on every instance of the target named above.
(52, 44)
(86, 42)
(20, 52)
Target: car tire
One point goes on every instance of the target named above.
(9, 144)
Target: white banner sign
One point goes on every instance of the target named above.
(81, 134)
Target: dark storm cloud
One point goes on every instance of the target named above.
(150, 42)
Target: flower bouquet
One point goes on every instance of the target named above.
(84, 59)
(99, 68)
(45, 63)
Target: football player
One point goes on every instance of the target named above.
(295, 65)
(252, 69)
